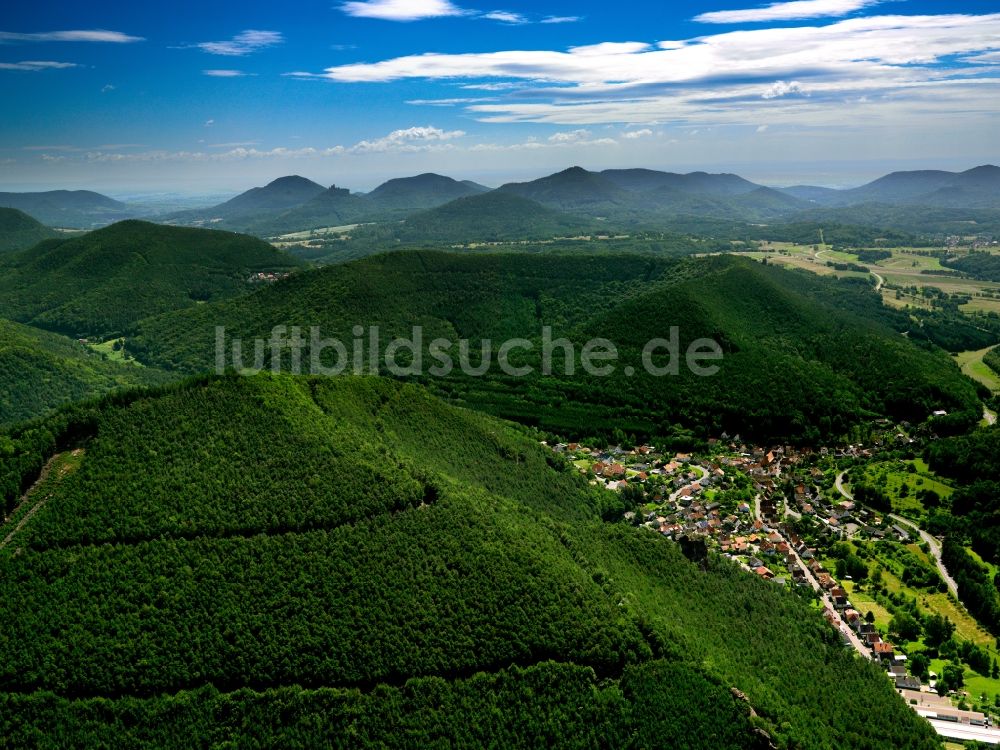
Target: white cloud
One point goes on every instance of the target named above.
(410, 139)
(505, 17)
(402, 10)
(636, 134)
(244, 43)
(107, 88)
(209, 123)
(505, 86)
(36, 65)
(446, 102)
(560, 19)
(987, 58)
(572, 140)
(572, 136)
(898, 62)
(225, 73)
(761, 128)
(779, 89)
(95, 35)
(790, 11)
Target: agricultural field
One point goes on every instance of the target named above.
(972, 365)
(108, 349)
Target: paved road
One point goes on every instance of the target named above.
(840, 486)
(935, 547)
(704, 473)
(933, 544)
(842, 626)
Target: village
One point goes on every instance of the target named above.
(749, 504)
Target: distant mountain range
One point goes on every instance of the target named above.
(77, 209)
(291, 204)
(974, 188)
(637, 198)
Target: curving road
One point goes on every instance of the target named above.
(933, 544)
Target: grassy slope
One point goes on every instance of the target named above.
(437, 544)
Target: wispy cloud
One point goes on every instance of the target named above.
(402, 10)
(987, 58)
(244, 43)
(636, 134)
(225, 73)
(446, 102)
(36, 65)
(93, 35)
(506, 17)
(408, 140)
(419, 10)
(108, 87)
(746, 77)
(791, 11)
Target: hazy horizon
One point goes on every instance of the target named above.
(122, 98)
(860, 174)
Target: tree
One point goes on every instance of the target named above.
(938, 630)
(870, 617)
(919, 666)
(952, 677)
(905, 625)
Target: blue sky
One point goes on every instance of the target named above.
(224, 95)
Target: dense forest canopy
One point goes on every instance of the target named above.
(40, 371)
(101, 283)
(424, 560)
(804, 357)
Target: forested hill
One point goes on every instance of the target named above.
(489, 217)
(804, 357)
(343, 562)
(18, 231)
(103, 282)
(40, 371)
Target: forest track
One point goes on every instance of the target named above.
(29, 496)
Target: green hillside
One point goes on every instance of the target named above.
(40, 371)
(100, 284)
(350, 562)
(18, 231)
(804, 357)
(409, 194)
(79, 209)
(489, 217)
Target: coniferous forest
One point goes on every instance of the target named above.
(389, 571)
